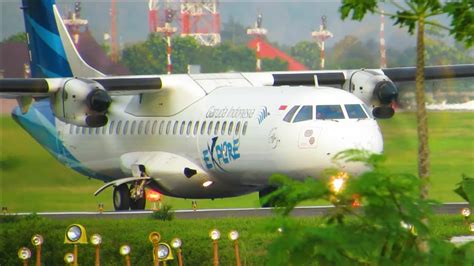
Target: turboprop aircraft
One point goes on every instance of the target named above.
(196, 136)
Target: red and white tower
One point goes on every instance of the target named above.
(168, 30)
(383, 56)
(114, 49)
(74, 23)
(321, 36)
(152, 15)
(201, 20)
(259, 32)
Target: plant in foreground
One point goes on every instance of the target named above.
(165, 213)
(386, 229)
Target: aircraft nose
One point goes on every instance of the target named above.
(361, 135)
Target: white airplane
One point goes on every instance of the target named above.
(196, 136)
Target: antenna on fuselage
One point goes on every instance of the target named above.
(316, 82)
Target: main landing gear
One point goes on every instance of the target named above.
(133, 198)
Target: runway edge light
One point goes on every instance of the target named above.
(164, 252)
(75, 234)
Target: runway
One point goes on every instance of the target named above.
(447, 208)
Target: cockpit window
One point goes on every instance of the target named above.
(291, 113)
(367, 110)
(329, 112)
(355, 111)
(305, 113)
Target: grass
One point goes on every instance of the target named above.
(31, 180)
(255, 236)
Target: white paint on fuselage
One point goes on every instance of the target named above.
(244, 162)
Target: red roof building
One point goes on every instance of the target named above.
(268, 51)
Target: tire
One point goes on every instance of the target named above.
(121, 198)
(138, 204)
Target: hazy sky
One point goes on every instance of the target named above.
(287, 21)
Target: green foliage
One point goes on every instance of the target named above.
(255, 238)
(350, 52)
(357, 8)
(414, 11)
(165, 213)
(388, 230)
(465, 189)
(19, 37)
(462, 20)
(150, 57)
(276, 64)
(306, 52)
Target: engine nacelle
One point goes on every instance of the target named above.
(81, 102)
(375, 90)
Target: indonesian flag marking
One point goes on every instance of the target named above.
(282, 107)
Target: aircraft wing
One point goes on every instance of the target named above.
(401, 74)
(340, 77)
(133, 85)
(42, 87)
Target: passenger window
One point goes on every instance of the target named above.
(209, 128)
(90, 131)
(224, 126)
(78, 129)
(181, 129)
(125, 128)
(119, 127)
(147, 127)
(153, 128)
(83, 131)
(162, 125)
(244, 128)
(329, 112)
(291, 113)
(237, 128)
(216, 129)
(231, 127)
(140, 128)
(134, 126)
(111, 127)
(305, 113)
(97, 130)
(188, 129)
(168, 127)
(196, 128)
(203, 127)
(175, 128)
(104, 129)
(355, 111)
(71, 129)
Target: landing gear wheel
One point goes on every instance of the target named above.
(138, 204)
(121, 198)
(264, 192)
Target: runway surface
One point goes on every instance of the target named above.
(447, 208)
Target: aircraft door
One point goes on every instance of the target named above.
(308, 137)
